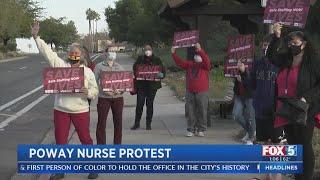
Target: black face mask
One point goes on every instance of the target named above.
(295, 50)
(72, 62)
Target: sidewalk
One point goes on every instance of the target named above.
(168, 127)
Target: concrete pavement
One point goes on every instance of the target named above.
(168, 127)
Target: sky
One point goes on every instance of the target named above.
(74, 10)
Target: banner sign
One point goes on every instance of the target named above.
(185, 39)
(119, 80)
(287, 12)
(148, 72)
(240, 48)
(169, 159)
(63, 80)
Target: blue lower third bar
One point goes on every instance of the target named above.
(283, 167)
(152, 168)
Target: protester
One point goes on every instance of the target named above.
(298, 82)
(146, 90)
(197, 89)
(90, 64)
(107, 100)
(261, 79)
(69, 107)
(243, 111)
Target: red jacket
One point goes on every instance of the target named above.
(197, 73)
(91, 65)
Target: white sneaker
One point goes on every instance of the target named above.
(245, 138)
(249, 142)
(189, 134)
(200, 134)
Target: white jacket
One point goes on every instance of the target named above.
(69, 103)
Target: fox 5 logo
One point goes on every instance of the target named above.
(279, 150)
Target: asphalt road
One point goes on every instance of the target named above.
(25, 112)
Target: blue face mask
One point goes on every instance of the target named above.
(112, 56)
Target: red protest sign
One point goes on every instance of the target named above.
(287, 12)
(116, 80)
(241, 48)
(148, 72)
(63, 80)
(185, 39)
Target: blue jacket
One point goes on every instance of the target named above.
(262, 80)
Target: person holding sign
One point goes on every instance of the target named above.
(243, 111)
(261, 78)
(197, 89)
(298, 82)
(107, 100)
(148, 71)
(69, 107)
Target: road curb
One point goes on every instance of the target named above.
(13, 59)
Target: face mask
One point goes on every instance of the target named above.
(148, 53)
(197, 58)
(72, 62)
(295, 50)
(111, 56)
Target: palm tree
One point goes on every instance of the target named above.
(97, 18)
(90, 17)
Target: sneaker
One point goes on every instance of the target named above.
(56, 176)
(245, 138)
(249, 142)
(200, 134)
(189, 134)
(135, 127)
(148, 127)
(93, 176)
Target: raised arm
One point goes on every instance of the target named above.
(179, 62)
(277, 52)
(248, 77)
(44, 49)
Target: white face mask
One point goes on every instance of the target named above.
(197, 58)
(111, 56)
(148, 53)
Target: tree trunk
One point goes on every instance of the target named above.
(5, 46)
(96, 27)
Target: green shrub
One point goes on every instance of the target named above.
(10, 47)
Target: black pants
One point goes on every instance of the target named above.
(142, 97)
(297, 134)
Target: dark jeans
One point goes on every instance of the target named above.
(301, 135)
(142, 97)
(103, 107)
